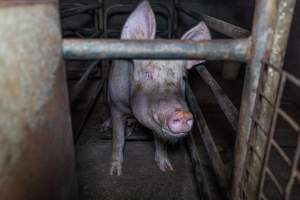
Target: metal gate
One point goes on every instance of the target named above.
(263, 50)
(261, 109)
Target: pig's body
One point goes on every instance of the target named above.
(150, 90)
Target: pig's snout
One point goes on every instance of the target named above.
(180, 122)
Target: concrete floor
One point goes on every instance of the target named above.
(141, 178)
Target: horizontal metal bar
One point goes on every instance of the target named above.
(237, 49)
(230, 111)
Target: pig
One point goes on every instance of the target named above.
(152, 91)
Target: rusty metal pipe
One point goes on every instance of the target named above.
(36, 146)
(271, 85)
(156, 49)
(263, 27)
(223, 100)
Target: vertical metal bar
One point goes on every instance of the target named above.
(262, 31)
(270, 89)
(36, 147)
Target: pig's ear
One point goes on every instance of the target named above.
(140, 24)
(198, 33)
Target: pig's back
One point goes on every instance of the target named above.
(119, 85)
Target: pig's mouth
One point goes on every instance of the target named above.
(166, 131)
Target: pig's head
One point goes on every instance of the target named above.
(157, 90)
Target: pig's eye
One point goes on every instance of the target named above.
(176, 120)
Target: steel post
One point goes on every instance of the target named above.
(36, 147)
(262, 33)
(271, 89)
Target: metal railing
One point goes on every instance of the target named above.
(293, 163)
(264, 48)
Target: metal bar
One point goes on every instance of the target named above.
(226, 28)
(272, 79)
(293, 170)
(200, 174)
(264, 20)
(293, 79)
(210, 146)
(69, 12)
(270, 136)
(156, 49)
(289, 120)
(37, 158)
(282, 32)
(80, 120)
(281, 152)
(218, 25)
(267, 101)
(274, 179)
(100, 25)
(225, 103)
(80, 85)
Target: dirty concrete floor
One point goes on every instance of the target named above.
(141, 178)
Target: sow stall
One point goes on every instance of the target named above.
(37, 157)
